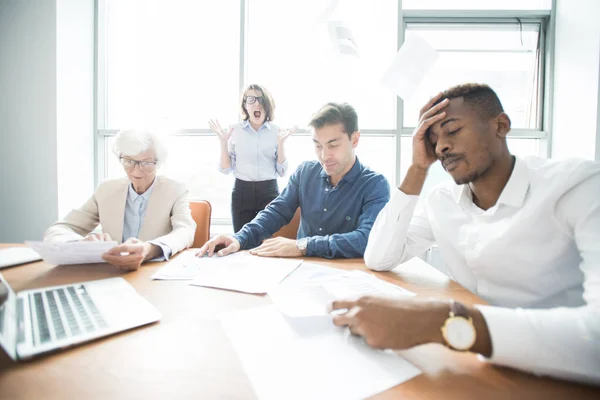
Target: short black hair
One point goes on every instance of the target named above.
(336, 113)
(479, 96)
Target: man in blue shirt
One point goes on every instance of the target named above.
(339, 199)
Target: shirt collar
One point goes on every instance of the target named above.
(513, 193)
(133, 196)
(516, 188)
(350, 176)
(246, 124)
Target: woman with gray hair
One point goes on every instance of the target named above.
(148, 214)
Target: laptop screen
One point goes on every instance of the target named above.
(8, 321)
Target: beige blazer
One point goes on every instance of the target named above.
(168, 217)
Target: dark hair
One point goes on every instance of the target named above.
(336, 113)
(268, 103)
(479, 96)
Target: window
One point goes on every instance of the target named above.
(503, 55)
(171, 65)
(289, 51)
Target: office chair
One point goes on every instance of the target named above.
(290, 230)
(201, 211)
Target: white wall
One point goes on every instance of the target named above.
(75, 102)
(46, 113)
(28, 179)
(575, 120)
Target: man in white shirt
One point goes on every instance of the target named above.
(524, 234)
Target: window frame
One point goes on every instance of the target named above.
(404, 17)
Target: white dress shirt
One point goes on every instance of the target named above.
(534, 256)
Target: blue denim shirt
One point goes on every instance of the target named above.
(336, 220)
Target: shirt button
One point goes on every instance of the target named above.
(320, 229)
(324, 209)
(327, 189)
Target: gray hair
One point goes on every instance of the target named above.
(132, 143)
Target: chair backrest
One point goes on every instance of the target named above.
(290, 230)
(201, 211)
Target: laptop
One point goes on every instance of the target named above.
(17, 255)
(34, 322)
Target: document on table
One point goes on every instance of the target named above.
(313, 296)
(243, 272)
(182, 267)
(309, 358)
(79, 252)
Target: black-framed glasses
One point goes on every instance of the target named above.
(252, 99)
(146, 166)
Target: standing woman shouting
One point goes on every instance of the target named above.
(253, 150)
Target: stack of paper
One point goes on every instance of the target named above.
(243, 272)
(309, 358)
(313, 295)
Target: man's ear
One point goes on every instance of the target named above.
(354, 138)
(502, 125)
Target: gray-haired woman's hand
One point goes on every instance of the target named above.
(221, 133)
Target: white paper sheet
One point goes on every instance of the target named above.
(412, 63)
(342, 39)
(243, 272)
(183, 267)
(313, 296)
(79, 252)
(309, 358)
(17, 255)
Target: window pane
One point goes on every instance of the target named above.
(164, 68)
(477, 4)
(290, 52)
(501, 55)
(524, 147)
(195, 161)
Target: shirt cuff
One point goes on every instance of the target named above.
(242, 238)
(282, 168)
(226, 170)
(166, 250)
(317, 246)
(511, 335)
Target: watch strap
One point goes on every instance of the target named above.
(459, 310)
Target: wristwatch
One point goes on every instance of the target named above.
(301, 244)
(458, 330)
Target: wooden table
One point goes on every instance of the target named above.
(187, 354)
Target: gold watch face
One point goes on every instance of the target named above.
(459, 333)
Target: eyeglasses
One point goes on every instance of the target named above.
(252, 99)
(146, 166)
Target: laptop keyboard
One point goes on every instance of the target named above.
(65, 312)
